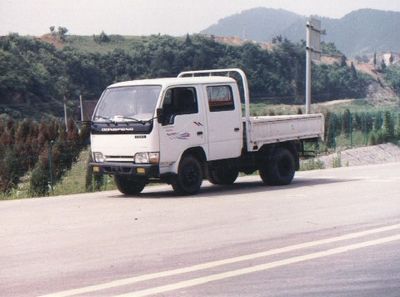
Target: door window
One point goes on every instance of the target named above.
(220, 98)
(179, 101)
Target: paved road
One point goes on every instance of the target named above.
(333, 232)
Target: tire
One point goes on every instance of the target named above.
(128, 185)
(279, 169)
(222, 175)
(189, 178)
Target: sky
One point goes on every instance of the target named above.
(145, 17)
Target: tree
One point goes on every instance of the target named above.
(378, 121)
(331, 131)
(353, 70)
(9, 170)
(383, 65)
(391, 59)
(277, 39)
(388, 126)
(39, 181)
(369, 122)
(61, 32)
(343, 61)
(188, 40)
(329, 48)
(103, 37)
(347, 122)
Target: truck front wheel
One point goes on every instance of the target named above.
(280, 168)
(189, 178)
(128, 185)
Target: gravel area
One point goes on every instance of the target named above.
(377, 154)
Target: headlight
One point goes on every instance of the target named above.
(146, 158)
(141, 158)
(98, 157)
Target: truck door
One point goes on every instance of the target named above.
(183, 124)
(224, 122)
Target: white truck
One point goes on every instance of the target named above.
(185, 129)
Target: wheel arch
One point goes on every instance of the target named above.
(198, 152)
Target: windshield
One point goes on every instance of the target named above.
(128, 103)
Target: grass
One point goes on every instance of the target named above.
(338, 106)
(74, 181)
(355, 105)
(262, 109)
(89, 45)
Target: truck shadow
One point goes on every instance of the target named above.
(238, 188)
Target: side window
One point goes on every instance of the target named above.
(178, 101)
(220, 98)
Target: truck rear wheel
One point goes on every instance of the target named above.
(222, 175)
(189, 178)
(280, 168)
(128, 185)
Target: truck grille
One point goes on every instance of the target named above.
(119, 159)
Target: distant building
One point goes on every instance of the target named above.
(390, 58)
(386, 58)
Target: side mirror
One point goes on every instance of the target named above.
(160, 115)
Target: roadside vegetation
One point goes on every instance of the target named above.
(25, 149)
(45, 149)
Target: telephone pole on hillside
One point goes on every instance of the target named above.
(313, 52)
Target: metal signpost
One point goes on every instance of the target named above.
(313, 52)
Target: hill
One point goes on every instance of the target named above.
(36, 76)
(361, 31)
(259, 24)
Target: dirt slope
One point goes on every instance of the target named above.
(382, 153)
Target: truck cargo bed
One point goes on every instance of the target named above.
(271, 129)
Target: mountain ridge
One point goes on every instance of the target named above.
(362, 31)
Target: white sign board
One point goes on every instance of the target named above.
(315, 38)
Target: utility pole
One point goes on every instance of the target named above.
(313, 52)
(51, 164)
(81, 104)
(65, 114)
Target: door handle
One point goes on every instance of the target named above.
(236, 129)
(200, 133)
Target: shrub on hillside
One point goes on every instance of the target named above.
(39, 182)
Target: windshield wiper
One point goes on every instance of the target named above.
(130, 119)
(104, 118)
(133, 119)
(139, 121)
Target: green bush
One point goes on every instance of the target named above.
(312, 164)
(39, 182)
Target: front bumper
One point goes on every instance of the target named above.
(139, 170)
